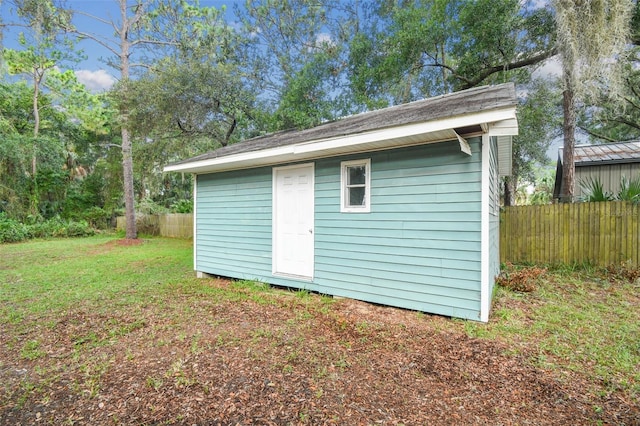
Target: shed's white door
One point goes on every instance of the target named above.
(293, 220)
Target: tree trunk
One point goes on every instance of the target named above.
(127, 153)
(35, 196)
(509, 191)
(129, 194)
(568, 165)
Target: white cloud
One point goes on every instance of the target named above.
(323, 38)
(550, 69)
(96, 81)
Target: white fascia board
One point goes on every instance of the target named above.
(195, 166)
(342, 144)
(503, 128)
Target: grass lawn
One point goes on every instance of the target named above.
(96, 332)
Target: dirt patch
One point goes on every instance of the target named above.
(126, 242)
(280, 360)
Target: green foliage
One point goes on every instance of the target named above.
(12, 231)
(415, 49)
(296, 56)
(594, 190)
(182, 206)
(149, 207)
(543, 188)
(629, 189)
(96, 217)
(305, 101)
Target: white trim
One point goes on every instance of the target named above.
(393, 137)
(485, 272)
(195, 221)
(367, 186)
(274, 184)
(504, 128)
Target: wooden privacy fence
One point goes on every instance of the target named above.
(177, 225)
(597, 233)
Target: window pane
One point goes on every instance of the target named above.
(356, 175)
(356, 196)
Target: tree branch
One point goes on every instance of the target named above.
(96, 39)
(97, 18)
(596, 135)
(154, 42)
(227, 137)
(469, 83)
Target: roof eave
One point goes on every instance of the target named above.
(498, 122)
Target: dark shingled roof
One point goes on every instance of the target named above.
(619, 152)
(478, 99)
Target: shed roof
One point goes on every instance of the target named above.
(610, 153)
(425, 121)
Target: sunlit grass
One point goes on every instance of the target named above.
(575, 321)
(52, 276)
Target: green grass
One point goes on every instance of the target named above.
(575, 321)
(52, 276)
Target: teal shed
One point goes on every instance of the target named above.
(398, 206)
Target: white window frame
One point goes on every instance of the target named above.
(344, 208)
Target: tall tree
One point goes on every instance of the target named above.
(615, 121)
(592, 37)
(297, 57)
(44, 48)
(422, 48)
(144, 30)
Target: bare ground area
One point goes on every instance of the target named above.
(282, 359)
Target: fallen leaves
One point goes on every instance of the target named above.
(285, 362)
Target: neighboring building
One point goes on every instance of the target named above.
(606, 162)
(398, 206)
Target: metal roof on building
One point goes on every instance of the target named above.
(609, 153)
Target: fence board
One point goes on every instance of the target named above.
(178, 225)
(597, 233)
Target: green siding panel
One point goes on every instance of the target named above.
(418, 248)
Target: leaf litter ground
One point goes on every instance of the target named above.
(280, 358)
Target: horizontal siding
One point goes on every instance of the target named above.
(233, 219)
(418, 248)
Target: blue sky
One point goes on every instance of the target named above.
(93, 71)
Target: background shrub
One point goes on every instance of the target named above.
(12, 231)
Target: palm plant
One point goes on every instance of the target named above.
(629, 189)
(594, 190)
